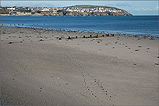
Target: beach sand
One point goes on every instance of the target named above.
(44, 68)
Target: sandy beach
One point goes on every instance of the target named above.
(44, 68)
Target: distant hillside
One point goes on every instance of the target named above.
(77, 10)
(92, 10)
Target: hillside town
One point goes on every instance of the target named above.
(61, 11)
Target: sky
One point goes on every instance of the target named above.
(134, 7)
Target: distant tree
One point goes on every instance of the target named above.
(60, 10)
(32, 12)
(38, 11)
(4, 11)
(20, 9)
(28, 10)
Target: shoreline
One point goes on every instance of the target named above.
(102, 33)
(43, 68)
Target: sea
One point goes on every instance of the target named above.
(135, 25)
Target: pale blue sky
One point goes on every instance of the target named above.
(134, 7)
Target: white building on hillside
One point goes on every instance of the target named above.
(11, 8)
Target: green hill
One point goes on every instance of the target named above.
(90, 6)
(108, 11)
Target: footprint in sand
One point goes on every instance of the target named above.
(139, 46)
(147, 48)
(41, 40)
(137, 50)
(10, 42)
(40, 89)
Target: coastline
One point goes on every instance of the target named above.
(59, 15)
(96, 33)
(45, 67)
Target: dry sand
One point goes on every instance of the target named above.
(44, 68)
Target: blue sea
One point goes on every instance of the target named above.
(143, 25)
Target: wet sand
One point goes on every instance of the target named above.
(45, 68)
